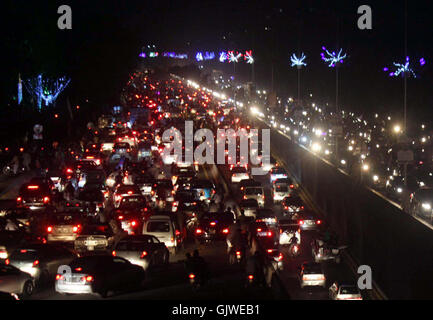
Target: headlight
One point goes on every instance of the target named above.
(399, 190)
(316, 147)
(426, 206)
(375, 178)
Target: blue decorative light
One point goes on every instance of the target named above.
(20, 90)
(46, 89)
(223, 56)
(199, 56)
(175, 55)
(333, 58)
(299, 62)
(142, 55)
(209, 55)
(402, 69)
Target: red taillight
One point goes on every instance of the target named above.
(177, 233)
(225, 231)
(113, 253)
(50, 229)
(319, 221)
(19, 199)
(301, 222)
(213, 223)
(269, 234)
(32, 187)
(238, 253)
(69, 170)
(198, 231)
(7, 262)
(302, 207)
(280, 257)
(133, 223)
(79, 269)
(191, 275)
(270, 250)
(87, 279)
(35, 263)
(120, 217)
(291, 186)
(259, 229)
(59, 277)
(46, 199)
(130, 192)
(143, 254)
(250, 276)
(76, 228)
(245, 197)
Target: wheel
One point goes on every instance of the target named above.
(28, 289)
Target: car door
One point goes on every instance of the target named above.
(10, 279)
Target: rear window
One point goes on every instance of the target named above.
(133, 245)
(281, 188)
(132, 201)
(64, 219)
(24, 255)
(158, 226)
(313, 269)
(253, 191)
(349, 290)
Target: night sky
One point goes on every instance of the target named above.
(106, 37)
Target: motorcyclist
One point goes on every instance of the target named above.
(238, 241)
(200, 267)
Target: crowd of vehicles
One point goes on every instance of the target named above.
(120, 207)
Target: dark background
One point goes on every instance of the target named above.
(106, 37)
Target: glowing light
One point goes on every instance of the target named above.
(142, 55)
(46, 89)
(223, 56)
(248, 56)
(397, 128)
(402, 69)
(153, 54)
(199, 56)
(232, 57)
(333, 58)
(20, 90)
(298, 61)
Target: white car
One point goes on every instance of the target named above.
(15, 281)
(250, 207)
(165, 230)
(239, 174)
(344, 292)
(255, 192)
(278, 173)
(280, 191)
(312, 274)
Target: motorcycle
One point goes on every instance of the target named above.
(294, 250)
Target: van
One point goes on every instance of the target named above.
(165, 229)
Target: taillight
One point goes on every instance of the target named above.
(245, 197)
(301, 222)
(269, 234)
(87, 279)
(46, 199)
(35, 263)
(19, 199)
(177, 233)
(76, 228)
(113, 253)
(120, 217)
(259, 229)
(250, 276)
(50, 229)
(191, 276)
(291, 186)
(238, 253)
(133, 223)
(7, 262)
(59, 277)
(226, 231)
(143, 254)
(213, 223)
(199, 231)
(280, 257)
(269, 250)
(69, 170)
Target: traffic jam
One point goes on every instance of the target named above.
(124, 217)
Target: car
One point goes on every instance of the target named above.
(288, 230)
(307, 220)
(99, 274)
(96, 238)
(312, 274)
(123, 190)
(41, 261)
(421, 203)
(238, 174)
(95, 176)
(324, 251)
(292, 204)
(250, 207)
(205, 188)
(91, 199)
(34, 196)
(64, 227)
(186, 200)
(13, 280)
(213, 226)
(96, 156)
(143, 250)
(131, 213)
(10, 240)
(281, 188)
(255, 192)
(163, 190)
(145, 183)
(344, 291)
(166, 229)
(267, 216)
(188, 172)
(277, 173)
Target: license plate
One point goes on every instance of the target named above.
(262, 234)
(90, 243)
